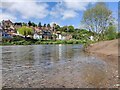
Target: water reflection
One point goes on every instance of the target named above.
(51, 63)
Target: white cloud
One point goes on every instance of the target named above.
(77, 6)
(69, 14)
(26, 9)
(51, 24)
(60, 11)
(68, 9)
(57, 10)
(7, 16)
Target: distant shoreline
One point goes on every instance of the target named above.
(43, 42)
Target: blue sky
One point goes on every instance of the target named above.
(62, 13)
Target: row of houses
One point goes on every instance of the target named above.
(9, 29)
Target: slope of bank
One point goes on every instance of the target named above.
(108, 49)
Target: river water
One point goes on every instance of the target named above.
(54, 66)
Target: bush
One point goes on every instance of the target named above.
(110, 34)
(17, 38)
(118, 35)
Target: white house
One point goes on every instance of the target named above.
(59, 36)
(36, 36)
(91, 38)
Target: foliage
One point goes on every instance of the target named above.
(44, 25)
(33, 24)
(57, 27)
(111, 33)
(28, 42)
(71, 28)
(97, 18)
(82, 34)
(24, 30)
(54, 36)
(64, 29)
(48, 25)
(24, 24)
(118, 35)
(29, 23)
(39, 25)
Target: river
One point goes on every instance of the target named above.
(54, 66)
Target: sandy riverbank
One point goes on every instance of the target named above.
(108, 51)
(105, 49)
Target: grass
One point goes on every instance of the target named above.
(28, 42)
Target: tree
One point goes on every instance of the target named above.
(54, 36)
(24, 24)
(24, 30)
(44, 25)
(29, 23)
(97, 19)
(48, 25)
(33, 24)
(64, 28)
(111, 33)
(71, 28)
(57, 27)
(54, 25)
(39, 25)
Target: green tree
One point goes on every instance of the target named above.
(24, 24)
(29, 23)
(64, 28)
(39, 25)
(57, 27)
(48, 25)
(97, 19)
(71, 28)
(118, 35)
(54, 36)
(33, 24)
(24, 30)
(111, 33)
(44, 25)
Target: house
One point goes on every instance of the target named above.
(0, 34)
(91, 38)
(46, 34)
(17, 25)
(8, 27)
(68, 37)
(6, 24)
(6, 35)
(37, 36)
(65, 36)
(59, 36)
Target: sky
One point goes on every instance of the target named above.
(62, 12)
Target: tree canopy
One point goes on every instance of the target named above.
(71, 28)
(97, 18)
(48, 25)
(24, 30)
(39, 24)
